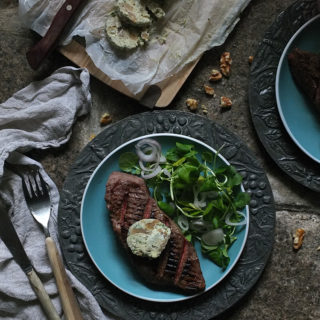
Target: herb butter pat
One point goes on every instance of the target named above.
(148, 238)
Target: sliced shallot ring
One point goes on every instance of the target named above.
(144, 168)
(240, 223)
(155, 150)
(183, 223)
(152, 174)
(153, 156)
(198, 203)
(224, 181)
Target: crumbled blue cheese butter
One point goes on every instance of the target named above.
(148, 238)
(124, 37)
(120, 37)
(134, 13)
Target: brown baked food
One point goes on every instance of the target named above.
(178, 267)
(305, 69)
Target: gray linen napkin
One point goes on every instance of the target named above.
(39, 116)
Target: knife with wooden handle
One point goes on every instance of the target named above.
(9, 236)
(41, 49)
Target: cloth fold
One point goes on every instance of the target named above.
(39, 116)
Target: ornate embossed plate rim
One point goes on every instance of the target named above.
(262, 100)
(261, 229)
(105, 269)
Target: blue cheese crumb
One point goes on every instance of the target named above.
(154, 7)
(148, 238)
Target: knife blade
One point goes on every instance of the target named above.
(10, 237)
(42, 49)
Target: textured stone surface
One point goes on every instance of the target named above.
(289, 286)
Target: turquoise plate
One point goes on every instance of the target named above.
(300, 118)
(103, 247)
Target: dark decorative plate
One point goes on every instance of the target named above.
(261, 229)
(264, 111)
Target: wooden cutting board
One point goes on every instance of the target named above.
(154, 96)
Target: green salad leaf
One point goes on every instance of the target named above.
(129, 162)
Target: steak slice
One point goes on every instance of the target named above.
(305, 68)
(128, 201)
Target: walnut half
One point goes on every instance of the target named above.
(215, 75)
(225, 63)
(225, 102)
(192, 104)
(208, 90)
(298, 238)
(105, 119)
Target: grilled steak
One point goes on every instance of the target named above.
(128, 201)
(305, 68)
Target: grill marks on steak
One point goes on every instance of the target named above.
(126, 204)
(128, 201)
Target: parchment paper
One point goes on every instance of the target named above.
(189, 28)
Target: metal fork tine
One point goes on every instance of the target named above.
(44, 186)
(32, 189)
(25, 188)
(39, 191)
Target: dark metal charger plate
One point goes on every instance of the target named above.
(261, 230)
(262, 100)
